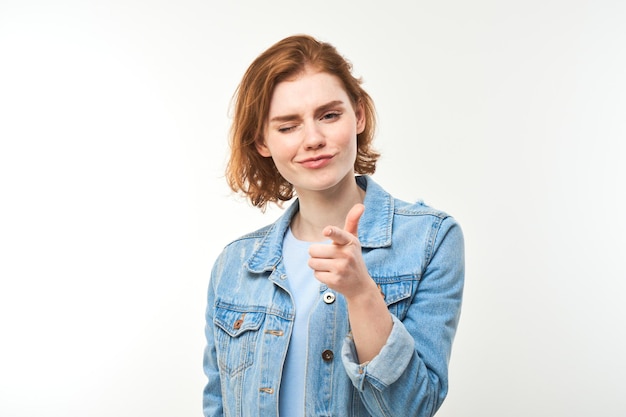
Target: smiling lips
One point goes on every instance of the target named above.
(316, 162)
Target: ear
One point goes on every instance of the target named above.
(262, 149)
(360, 117)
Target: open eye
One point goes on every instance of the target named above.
(331, 115)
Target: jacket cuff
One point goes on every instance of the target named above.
(386, 367)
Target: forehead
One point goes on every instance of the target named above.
(306, 89)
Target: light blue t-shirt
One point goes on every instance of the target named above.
(305, 290)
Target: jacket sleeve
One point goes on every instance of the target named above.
(212, 395)
(409, 376)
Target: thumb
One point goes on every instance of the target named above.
(352, 219)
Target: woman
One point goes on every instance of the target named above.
(348, 304)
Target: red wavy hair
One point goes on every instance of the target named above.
(255, 176)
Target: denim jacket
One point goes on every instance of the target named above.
(416, 256)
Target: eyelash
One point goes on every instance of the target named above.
(333, 115)
(327, 116)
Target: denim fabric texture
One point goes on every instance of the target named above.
(414, 253)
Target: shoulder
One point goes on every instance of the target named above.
(258, 250)
(418, 208)
(235, 255)
(426, 219)
(383, 201)
(389, 218)
(260, 233)
(421, 213)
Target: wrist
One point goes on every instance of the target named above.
(366, 298)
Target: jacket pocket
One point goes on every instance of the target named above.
(398, 296)
(237, 333)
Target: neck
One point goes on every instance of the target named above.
(329, 208)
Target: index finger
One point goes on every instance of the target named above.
(352, 219)
(338, 236)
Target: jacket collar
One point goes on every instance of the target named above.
(374, 227)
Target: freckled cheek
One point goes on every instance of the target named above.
(283, 152)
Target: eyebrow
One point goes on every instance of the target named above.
(320, 109)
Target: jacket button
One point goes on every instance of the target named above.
(328, 355)
(237, 324)
(329, 297)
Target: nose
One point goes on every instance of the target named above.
(313, 136)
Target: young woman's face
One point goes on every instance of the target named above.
(311, 131)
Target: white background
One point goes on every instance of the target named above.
(510, 115)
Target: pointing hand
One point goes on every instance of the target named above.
(340, 264)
